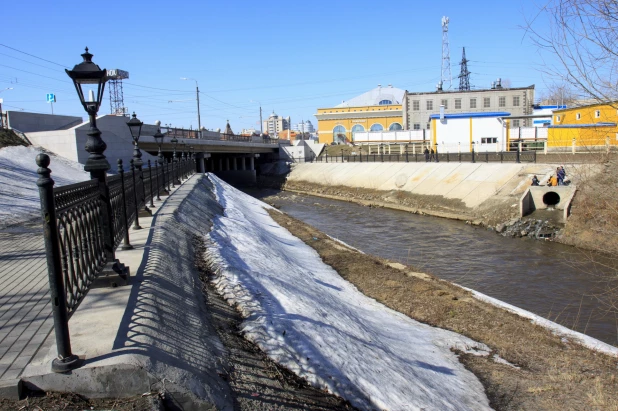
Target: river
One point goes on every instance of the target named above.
(552, 280)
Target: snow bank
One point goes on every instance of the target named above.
(310, 320)
(19, 194)
(557, 329)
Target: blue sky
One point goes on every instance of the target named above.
(292, 57)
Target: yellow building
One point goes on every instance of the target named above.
(584, 126)
(379, 109)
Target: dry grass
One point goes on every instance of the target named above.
(552, 374)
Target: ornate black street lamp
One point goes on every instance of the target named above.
(174, 141)
(135, 127)
(89, 81)
(158, 136)
(87, 76)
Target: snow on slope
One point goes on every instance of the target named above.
(310, 320)
(19, 194)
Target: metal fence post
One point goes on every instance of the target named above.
(66, 360)
(157, 168)
(136, 225)
(126, 245)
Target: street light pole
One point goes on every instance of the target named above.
(197, 95)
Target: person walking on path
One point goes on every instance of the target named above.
(426, 155)
(535, 181)
(431, 155)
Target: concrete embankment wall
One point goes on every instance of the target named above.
(472, 183)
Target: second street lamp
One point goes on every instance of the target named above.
(135, 127)
(158, 136)
(174, 142)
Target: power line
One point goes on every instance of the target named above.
(32, 55)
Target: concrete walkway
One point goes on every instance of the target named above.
(25, 312)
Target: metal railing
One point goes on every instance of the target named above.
(469, 157)
(75, 230)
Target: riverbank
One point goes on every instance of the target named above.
(546, 371)
(486, 195)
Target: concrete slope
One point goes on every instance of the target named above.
(472, 183)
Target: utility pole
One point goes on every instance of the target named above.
(197, 96)
(261, 122)
(199, 120)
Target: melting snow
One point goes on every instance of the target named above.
(19, 194)
(310, 320)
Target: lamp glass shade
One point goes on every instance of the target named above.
(159, 136)
(89, 81)
(135, 126)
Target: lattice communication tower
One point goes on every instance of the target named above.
(445, 78)
(116, 95)
(464, 74)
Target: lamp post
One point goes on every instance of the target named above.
(158, 136)
(174, 141)
(87, 77)
(135, 127)
(197, 95)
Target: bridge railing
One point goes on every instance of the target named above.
(75, 230)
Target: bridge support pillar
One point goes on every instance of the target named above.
(243, 162)
(251, 163)
(227, 164)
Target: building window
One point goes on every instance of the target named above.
(486, 102)
(502, 101)
(489, 140)
(578, 116)
(395, 127)
(444, 103)
(597, 114)
(339, 134)
(417, 126)
(429, 104)
(428, 126)
(457, 104)
(515, 123)
(472, 103)
(357, 128)
(416, 105)
(515, 101)
(557, 119)
(385, 102)
(376, 127)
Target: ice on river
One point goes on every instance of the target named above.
(313, 322)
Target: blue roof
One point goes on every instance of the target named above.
(552, 107)
(583, 125)
(468, 115)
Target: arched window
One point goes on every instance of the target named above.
(376, 127)
(357, 128)
(339, 134)
(385, 102)
(395, 127)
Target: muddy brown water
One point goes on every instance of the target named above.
(549, 279)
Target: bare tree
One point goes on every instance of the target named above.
(558, 94)
(583, 36)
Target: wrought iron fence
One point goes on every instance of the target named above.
(75, 225)
(469, 157)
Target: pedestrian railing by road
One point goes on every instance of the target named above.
(83, 228)
(470, 157)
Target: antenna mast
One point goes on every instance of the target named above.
(116, 95)
(446, 57)
(464, 75)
